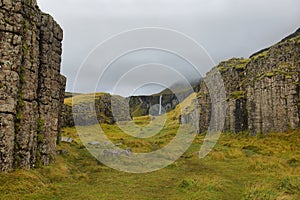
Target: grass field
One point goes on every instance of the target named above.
(239, 167)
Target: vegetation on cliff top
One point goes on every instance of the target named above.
(234, 63)
(84, 98)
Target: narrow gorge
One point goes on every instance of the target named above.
(262, 93)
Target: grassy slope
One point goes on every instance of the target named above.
(239, 167)
(83, 98)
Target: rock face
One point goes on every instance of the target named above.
(262, 91)
(272, 87)
(67, 116)
(90, 109)
(31, 87)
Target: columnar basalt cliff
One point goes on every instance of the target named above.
(262, 91)
(31, 87)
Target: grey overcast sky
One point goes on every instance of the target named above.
(225, 28)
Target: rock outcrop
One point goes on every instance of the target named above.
(67, 116)
(90, 109)
(31, 87)
(262, 91)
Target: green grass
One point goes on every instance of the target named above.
(238, 94)
(84, 98)
(239, 167)
(236, 63)
(139, 111)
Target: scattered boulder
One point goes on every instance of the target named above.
(113, 152)
(62, 152)
(94, 143)
(67, 140)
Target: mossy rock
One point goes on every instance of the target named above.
(263, 54)
(270, 74)
(238, 94)
(233, 63)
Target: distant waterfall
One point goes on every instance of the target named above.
(160, 106)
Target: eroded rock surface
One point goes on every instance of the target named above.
(262, 92)
(31, 87)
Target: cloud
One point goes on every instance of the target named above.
(226, 28)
